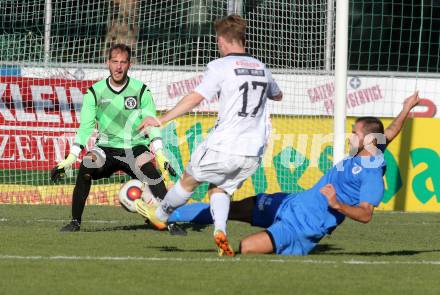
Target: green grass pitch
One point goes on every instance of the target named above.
(116, 254)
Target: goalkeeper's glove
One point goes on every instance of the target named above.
(163, 162)
(59, 171)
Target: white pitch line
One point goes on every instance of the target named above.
(121, 221)
(181, 259)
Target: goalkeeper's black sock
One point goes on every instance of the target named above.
(159, 190)
(81, 192)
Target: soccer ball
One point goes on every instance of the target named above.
(131, 191)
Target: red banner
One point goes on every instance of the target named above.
(38, 120)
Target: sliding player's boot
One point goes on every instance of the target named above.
(176, 230)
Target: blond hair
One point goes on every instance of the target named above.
(232, 28)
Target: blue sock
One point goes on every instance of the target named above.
(194, 212)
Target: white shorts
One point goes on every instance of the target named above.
(223, 170)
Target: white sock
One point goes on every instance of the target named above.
(176, 197)
(219, 204)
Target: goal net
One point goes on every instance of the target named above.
(52, 51)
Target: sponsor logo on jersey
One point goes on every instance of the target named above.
(106, 100)
(249, 72)
(247, 64)
(130, 102)
(356, 169)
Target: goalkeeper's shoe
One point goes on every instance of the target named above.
(73, 226)
(224, 248)
(149, 211)
(176, 230)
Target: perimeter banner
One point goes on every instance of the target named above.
(38, 120)
(298, 154)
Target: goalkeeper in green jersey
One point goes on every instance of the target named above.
(115, 106)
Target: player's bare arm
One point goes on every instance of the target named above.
(362, 213)
(185, 105)
(277, 97)
(393, 130)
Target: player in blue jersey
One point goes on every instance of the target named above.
(352, 188)
(297, 222)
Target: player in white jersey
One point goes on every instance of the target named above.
(244, 84)
(234, 148)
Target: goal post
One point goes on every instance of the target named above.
(341, 57)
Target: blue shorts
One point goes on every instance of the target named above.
(266, 208)
(295, 230)
(286, 241)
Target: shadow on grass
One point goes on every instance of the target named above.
(193, 226)
(118, 228)
(185, 226)
(326, 249)
(175, 249)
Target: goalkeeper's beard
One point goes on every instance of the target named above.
(120, 81)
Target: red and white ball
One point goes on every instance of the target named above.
(133, 190)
